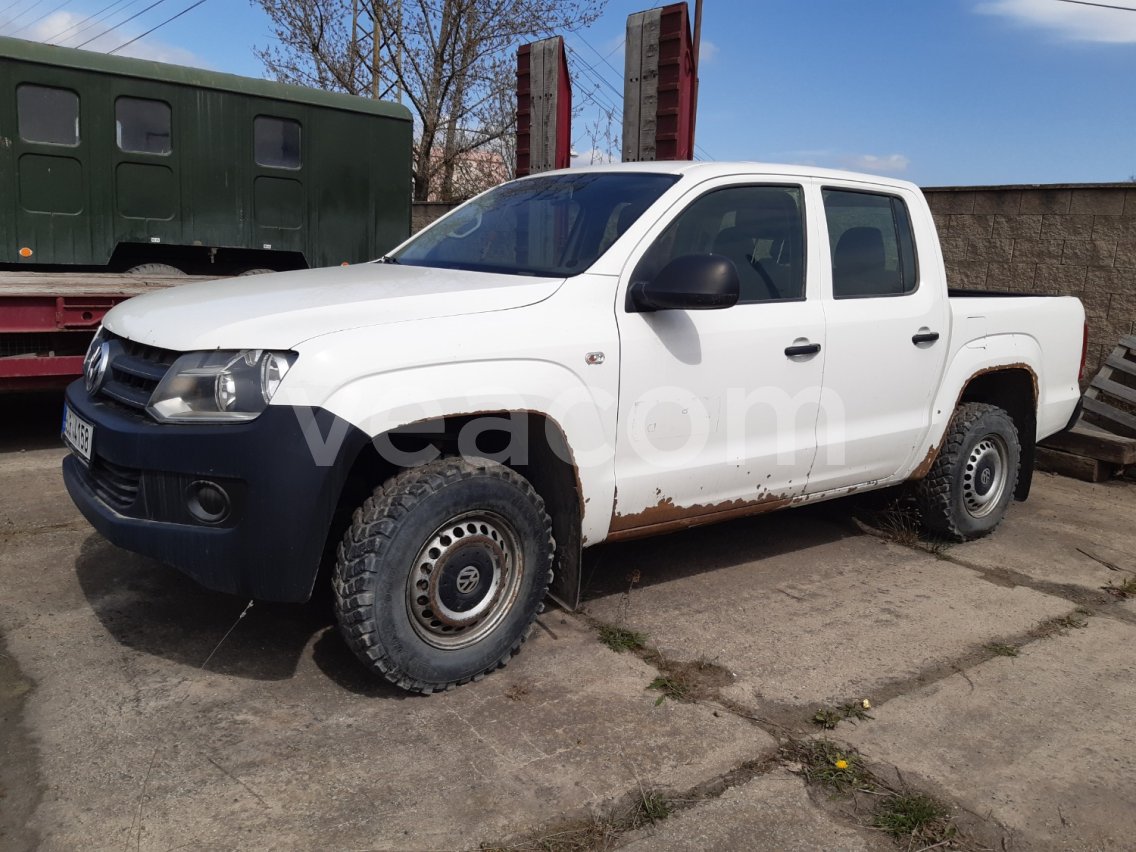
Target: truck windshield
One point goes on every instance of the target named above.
(554, 226)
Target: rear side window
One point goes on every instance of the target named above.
(48, 115)
(873, 251)
(276, 142)
(143, 126)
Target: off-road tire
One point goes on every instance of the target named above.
(976, 430)
(379, 569)
(162, 270)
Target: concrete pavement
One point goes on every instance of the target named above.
(125, 740)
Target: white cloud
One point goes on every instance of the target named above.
(594, 157)
(875, 163)
(707, 51)
(1070, 21)
(68, 29)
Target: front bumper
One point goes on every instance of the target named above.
(282, 489)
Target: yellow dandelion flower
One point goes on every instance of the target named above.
(867, 704)
(841, 764)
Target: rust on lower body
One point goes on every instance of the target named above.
(666, 517)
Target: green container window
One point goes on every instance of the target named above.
(276, 142)
(143, 126)
(48, 115)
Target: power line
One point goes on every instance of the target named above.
(120, 23)
(86, 23)
(30, 8)
(189, 8)
(41, 17)
(603, 59)
(1100, 5)
(10, 6)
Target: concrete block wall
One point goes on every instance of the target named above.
(422, 213)
(1069, 239)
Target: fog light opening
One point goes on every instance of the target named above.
(207, 501)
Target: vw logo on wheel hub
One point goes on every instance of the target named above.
(468, 578)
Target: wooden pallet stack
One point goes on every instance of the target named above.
(1103, 442)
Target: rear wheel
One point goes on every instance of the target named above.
(972, 481)
(442, 573)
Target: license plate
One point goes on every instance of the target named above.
(78, 433)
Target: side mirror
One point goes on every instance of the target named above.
(693, 282)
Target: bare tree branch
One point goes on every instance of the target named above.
(453, 59)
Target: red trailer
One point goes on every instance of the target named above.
(47, 320)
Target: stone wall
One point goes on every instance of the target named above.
(422, 213)
(1068, 239)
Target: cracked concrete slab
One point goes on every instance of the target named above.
(771, 813)
(1043, 742)
(804, 613)
(284, 741)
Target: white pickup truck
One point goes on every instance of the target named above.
(571, 358)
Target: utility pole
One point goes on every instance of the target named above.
(694, 94)
(376, 38)
(354, 48)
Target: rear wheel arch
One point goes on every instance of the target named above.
(1014, 389)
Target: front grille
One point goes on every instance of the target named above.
(134, 371)
(114, 484)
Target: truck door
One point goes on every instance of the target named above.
(717, 414)
(887, 328)
(51, 150)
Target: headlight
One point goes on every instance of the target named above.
(221, 386)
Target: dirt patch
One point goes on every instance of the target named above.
(20, 785)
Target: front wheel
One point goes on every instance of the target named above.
(442, 573)
(971, 483)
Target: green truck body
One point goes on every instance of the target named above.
(107, 163)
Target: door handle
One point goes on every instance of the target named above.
(802, 349)
(924, 337)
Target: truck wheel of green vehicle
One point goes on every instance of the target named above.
(158, 269)
(972, 481)
(442, 573)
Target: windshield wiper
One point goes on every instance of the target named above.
(387, 258)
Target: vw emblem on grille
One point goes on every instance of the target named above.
(95, 372)
(468, 578)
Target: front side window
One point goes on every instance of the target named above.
(873, 251)
(555, 225)
(276, 142)
(48, 115)
(143, 126)
(760, 228)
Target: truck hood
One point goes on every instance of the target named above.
(281, 310)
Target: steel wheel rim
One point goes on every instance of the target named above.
(984, 476)
(464, 580)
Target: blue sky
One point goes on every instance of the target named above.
(943, 92)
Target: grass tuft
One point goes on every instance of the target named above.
(1124, 590)
(620, 639)
(1001, 649)
(825, 763)
(829, 717)
(671, 687)
(914, 819)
